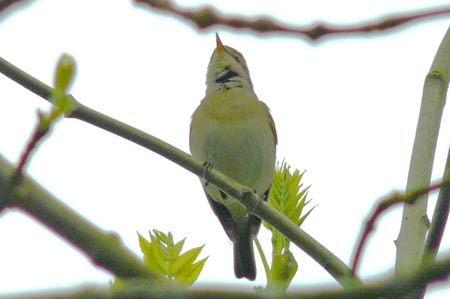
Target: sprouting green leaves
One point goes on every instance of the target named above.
(65, 71)
(284, 267)
(289, 196)
(62, 104)
(64, 74)
(163, 255)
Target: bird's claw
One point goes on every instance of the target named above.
(207, 166)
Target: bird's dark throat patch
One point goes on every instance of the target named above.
(226, 75)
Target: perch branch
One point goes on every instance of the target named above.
(339, 270)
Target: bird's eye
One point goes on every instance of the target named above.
(237, 58)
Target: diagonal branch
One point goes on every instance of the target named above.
(4, 4)
(207, 17)
(105, 250)
(339, 270)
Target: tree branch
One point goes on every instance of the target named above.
(7, 3)
(391, 288)
(207, 17)
(438, 223)
(323, 256)
(104, 249)
(383, 205)
(410, 242)
(440, 217)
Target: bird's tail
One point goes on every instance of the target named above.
(244, 257)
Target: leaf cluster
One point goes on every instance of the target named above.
(163, 255)
(288, 196)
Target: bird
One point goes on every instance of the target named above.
(233, 131)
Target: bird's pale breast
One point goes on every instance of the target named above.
(236, 138)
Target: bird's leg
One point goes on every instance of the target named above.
(264, 197)
(207, 165)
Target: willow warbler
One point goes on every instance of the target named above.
(234, 132)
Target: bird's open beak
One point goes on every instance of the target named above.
(219, 45)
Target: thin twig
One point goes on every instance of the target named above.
(382, 206)
(39, 132)
(207, 17)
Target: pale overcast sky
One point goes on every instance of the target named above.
(345, 109)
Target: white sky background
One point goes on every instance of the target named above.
(345, 109)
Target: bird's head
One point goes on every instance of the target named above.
(227, 69)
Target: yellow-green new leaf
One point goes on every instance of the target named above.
(186, 260)
(161, 237)
(155, 255)
(190, 275)
(284, 268)
(145, 245)
(162, 255)
(65, 71)
(288, 196)
(176, 249)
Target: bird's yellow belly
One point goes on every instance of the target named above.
(244, 150)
